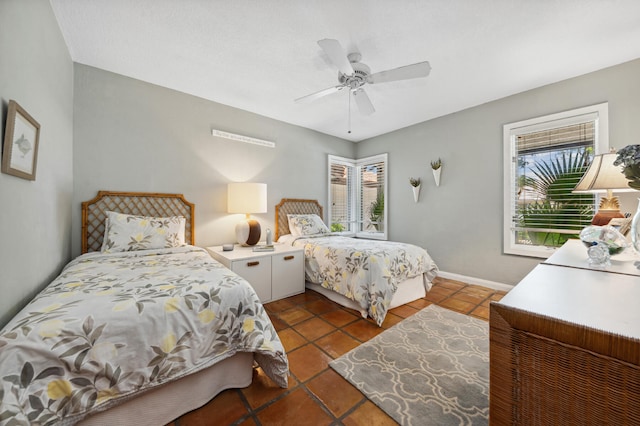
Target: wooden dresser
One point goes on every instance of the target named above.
(565, 344)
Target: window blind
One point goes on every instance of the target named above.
(549, 164)
(371, 196)
(576, 135)
(342, 184)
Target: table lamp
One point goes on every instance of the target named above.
(247, 198)
(602, 176)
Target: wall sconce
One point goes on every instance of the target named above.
(436, 168)
(247, 198)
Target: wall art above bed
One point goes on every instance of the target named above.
(20, 153)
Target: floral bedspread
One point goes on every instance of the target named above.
(112, 325)
(365, 271)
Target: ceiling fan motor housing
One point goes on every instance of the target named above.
(358, 78)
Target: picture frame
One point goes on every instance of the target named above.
(20, 151)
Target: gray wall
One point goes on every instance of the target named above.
(134, 136)
(461, 221)
(36, 71)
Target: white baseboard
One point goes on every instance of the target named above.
(476, 281)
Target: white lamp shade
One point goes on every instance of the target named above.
(602, 175)
(247, 197)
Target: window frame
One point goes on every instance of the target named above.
(354, 191)
(599, 113)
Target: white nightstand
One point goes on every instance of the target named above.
(273, 274)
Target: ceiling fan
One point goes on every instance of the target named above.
(353, 75)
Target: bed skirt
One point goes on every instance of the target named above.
(166, 403)
(408, 291)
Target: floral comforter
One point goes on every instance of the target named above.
(112, 325)
(365, 271)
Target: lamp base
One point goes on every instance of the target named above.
(248, 232)
(604, 216)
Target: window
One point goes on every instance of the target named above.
(544, 159)
(357, 193)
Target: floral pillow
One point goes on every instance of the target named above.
(306, 224)
(125, 232)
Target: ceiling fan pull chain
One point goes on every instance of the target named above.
(349, 96)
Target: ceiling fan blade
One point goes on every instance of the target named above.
(364, 103)
(336, 53)
(421, 69)
(319, 94)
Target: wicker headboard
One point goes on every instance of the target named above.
(137, 203)
(294, 206)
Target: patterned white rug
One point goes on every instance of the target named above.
(430, 369)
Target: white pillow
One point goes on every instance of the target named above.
(104, 237)
(306, 224)
(125, 232)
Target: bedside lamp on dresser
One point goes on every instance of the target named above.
(603, 177)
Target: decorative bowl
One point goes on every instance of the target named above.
(607, 235)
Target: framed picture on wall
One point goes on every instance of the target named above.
(20, 152)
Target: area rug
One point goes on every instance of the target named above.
(430, 369)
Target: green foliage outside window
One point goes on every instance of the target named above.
(555, 205)
(337, 227)
(376, 211)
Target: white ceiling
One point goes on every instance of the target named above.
(261, 55)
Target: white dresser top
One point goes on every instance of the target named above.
(574, 254)
(567, 288)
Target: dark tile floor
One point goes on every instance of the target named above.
(314, 331)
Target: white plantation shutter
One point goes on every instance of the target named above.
(372, 174)
(545, 158)
(341, 185)
(357, 191)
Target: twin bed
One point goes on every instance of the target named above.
(370, 276)
(144, 326)
(134, 336)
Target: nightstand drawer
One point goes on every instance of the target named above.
(286, 269)
(258, 272)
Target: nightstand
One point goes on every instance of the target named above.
(273, 274)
